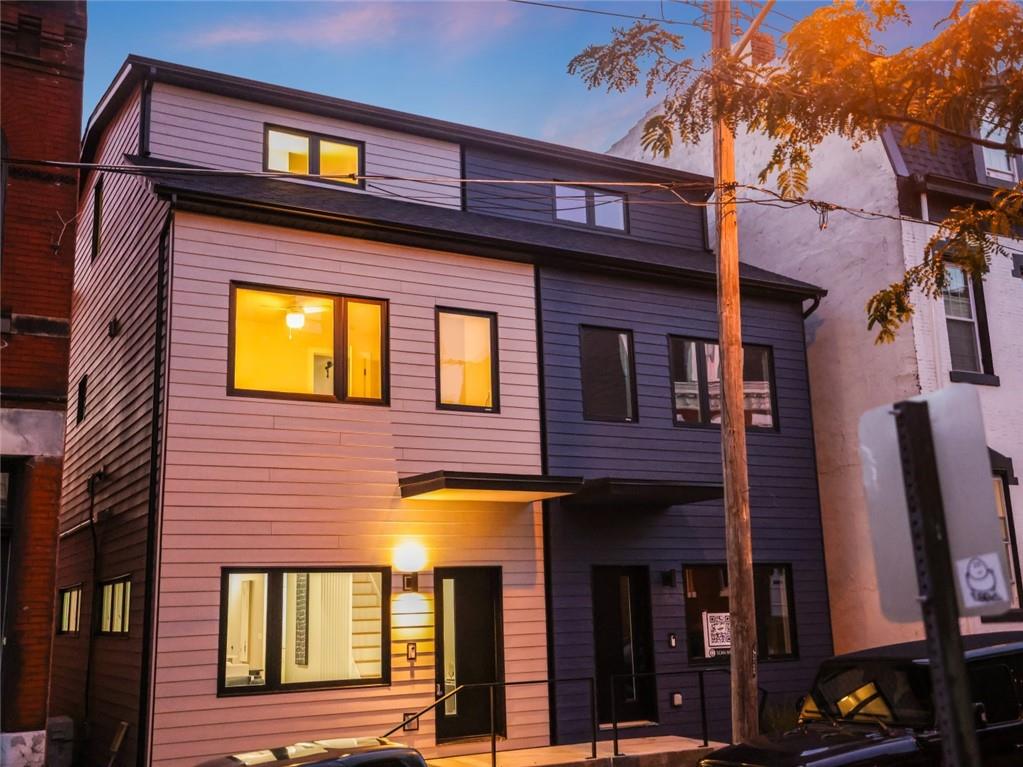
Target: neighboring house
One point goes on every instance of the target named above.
(311, 436)
(43, 48)
(971, 336)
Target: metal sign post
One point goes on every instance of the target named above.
(938, 602)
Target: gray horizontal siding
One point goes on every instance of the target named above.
(783, 489)
(653, 215)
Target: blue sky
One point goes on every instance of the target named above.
(495, 64)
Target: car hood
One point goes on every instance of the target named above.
(816, 745)
(350, 752)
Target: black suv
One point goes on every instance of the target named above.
(874, 708)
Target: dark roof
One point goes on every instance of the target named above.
(138, 68)
(947, 157)
(357, 214)
(973, 644)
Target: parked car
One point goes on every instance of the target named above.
(874, 708)
(337, 752)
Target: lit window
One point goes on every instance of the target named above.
(608, 373)
(333, 159)
(708, 626)
(997, 162)
(333, 628)
(69, 607)
(365, 332)
(593, 207)
(467, 359)
(961, 321)
(115, 601)
(696, 383)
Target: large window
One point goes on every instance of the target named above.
(696, 383)
(115, 605)
(708, 628)
(589, 206)
(304, 153)
(69, 609)
(467, 364)
(608, 369)
(286, 344)
(284, 629)
(997, 162)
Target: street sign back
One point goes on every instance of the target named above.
(974, 533)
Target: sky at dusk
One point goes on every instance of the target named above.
(496, 64)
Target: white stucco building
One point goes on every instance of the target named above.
(972, 336)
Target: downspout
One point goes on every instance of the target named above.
(153, 502)
(94, 616)
(813, 307)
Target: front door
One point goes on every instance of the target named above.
(624, 644)
(469, 650)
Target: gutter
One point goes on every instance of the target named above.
(813, 306)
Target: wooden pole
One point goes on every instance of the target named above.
(745, 719)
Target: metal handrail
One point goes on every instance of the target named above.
(700, 672)
(492, 686)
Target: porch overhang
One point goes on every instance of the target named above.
(643, 493)
(481, 486)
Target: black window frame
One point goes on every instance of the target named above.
(762, 655)
(634, 393)
(341, 302)
(61, 592)
(704, 388)
(81, 401)
(589, 192)
(314, 155)
(986, 375)
(97, 218)
(274, 612)
(495, 364)
(101, 586)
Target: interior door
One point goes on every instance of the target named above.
(623, 643)
(470, 650)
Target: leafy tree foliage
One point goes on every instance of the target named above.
(835, 79)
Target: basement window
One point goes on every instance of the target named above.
(115, 605)
(294, 629)
(311, 154)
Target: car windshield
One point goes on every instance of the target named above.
(888, 691)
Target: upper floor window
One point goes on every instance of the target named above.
(997, 162)
(115, 604)
(467, 364)
(310, 345)
(69, 608)
(589, 206)
(97, 217)
(304, 153)
(608, 370)
(696, 383)
(966, 326)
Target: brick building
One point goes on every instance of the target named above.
(43, 54)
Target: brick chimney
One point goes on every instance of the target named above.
(762, 47)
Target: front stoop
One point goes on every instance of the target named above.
(637, 752)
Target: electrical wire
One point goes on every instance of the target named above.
(580, 9)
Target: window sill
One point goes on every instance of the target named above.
(1013, 616)
(979, 379)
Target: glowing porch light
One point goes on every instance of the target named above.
(409, 557)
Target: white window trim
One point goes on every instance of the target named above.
(975, 321)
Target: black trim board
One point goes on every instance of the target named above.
(642, 493)
(469, 480)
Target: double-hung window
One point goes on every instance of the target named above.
(590, 207)
(293, 629)
(708, 627)
(308, 345)
(608, 370)
(997, 162)
(311, 154)
(115, 605)
(966, 327)
(696, 383)
(69, 609)
(467, 364)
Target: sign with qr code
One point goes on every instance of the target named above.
(717, 634)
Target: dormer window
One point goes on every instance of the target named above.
(589, 207)
(310, 154)
(997, 162)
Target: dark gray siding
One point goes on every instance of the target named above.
(653, 215)
(786, 519)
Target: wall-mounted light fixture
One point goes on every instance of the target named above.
(669, 578)
(409, 559)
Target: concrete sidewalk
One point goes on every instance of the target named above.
(667, 751)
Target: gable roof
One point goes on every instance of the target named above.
(947, 157)
(357, 214)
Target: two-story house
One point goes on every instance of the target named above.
(970, 336)
(322, 402)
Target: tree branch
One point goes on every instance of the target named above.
(969, 139)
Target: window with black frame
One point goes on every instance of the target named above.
(608, 369)
(115, 605)
(696, 383)
(69, 609)
(708, 632)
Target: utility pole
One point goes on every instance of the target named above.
(738, 540)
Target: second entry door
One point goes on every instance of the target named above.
(469, 637)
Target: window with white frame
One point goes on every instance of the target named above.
(997, 162)
(961, 321)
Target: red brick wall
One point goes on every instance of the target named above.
(43, 46)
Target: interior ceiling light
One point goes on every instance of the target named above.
(295, 320)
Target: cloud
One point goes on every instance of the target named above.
(598, 122)
(350, 25)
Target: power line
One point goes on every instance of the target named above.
(580, 9)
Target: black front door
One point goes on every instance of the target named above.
(469, 650)
(623, 643)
